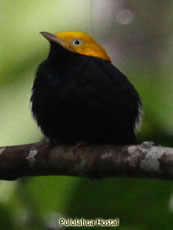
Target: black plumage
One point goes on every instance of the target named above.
(82, 98)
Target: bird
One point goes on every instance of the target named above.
(78, 95)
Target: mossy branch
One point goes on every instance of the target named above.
(93, 161)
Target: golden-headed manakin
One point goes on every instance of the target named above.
(78, 95)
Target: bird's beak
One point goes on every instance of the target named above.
(53, 38)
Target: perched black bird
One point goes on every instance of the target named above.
(78, 95)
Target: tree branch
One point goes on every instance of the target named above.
(93, 161)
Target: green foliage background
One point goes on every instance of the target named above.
(143, 51)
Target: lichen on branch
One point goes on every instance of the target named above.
(83, 160)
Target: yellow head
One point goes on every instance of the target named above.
(78, 42)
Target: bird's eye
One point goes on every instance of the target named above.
(77, 42)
